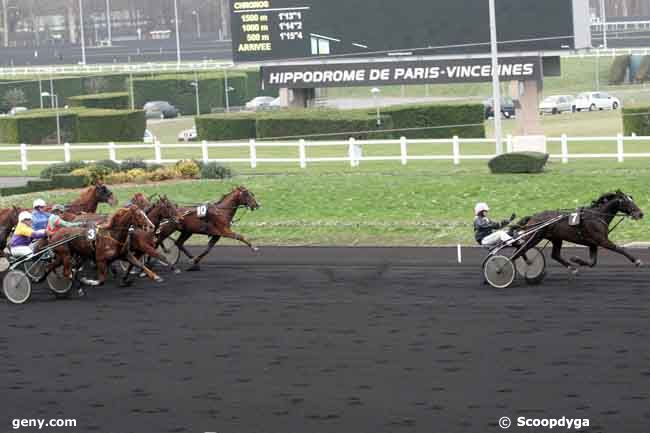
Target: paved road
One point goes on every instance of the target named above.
(335, 340)
(14, 181)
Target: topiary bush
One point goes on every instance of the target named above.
(99, 126)
(618, 70)
(108, 165)
(519, 162)
(187, 168)
(636, 120)
(216, 127)
(61, 168)
(111, 101)
(643, 73)
(68, 181)
(212, 170)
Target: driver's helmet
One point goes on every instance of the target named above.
(39, 202)
(480, 207)
(24, 215)
(58, 207)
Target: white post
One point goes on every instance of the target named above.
(565, 149)
(619, 144)
(66, 152)
(23, 156)
(156, 151)
(83, 37)
(302, 154)
(351, 151)
(403, 150)
(253, 153)
(455, 144)
(112, 154)
(204, 152)
(108, 22)
(603, 20)
(496, 88)
(509, 143)
(178, 36)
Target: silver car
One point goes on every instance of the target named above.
(557, 104)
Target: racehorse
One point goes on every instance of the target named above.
(89, 200)
(216, 223)
(112, 241)
(591, 231)
(8, 220)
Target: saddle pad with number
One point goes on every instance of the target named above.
(574, 219)
(201, 211)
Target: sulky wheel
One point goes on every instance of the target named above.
(36, 269)
(170, 251)
(17, 287)
(58, 283)
(532, 266)
(499, 271)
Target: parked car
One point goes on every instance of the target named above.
(596, 101)
(557, 104)
(148, 138)
(259, 103)
(188, 135)
(17, 110)
(160, 110)
(507, 108)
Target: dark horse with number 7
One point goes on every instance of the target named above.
(590, 228)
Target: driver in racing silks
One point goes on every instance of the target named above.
(486, 231)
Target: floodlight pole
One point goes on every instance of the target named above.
(108, 22)
(603, 20)
(496, 89)
(178, 36)
(196, 88)
(225, 82)
(83, 36)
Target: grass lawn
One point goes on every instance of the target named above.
(425, 203)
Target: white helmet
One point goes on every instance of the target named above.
(39, 203)
(24, 215)
(480, 207)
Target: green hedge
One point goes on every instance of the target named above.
(518, 162)
(322, 125)
(643, 74)
(427, 116)
(239, 126)
(38, 128)
(619, 68)
(254, 88)
(68, 181)
(96, 126)
(112, 101)
(636, 120)
(179, 91)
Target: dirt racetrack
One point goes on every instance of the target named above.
(308, 340)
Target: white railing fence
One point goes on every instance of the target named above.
(354, 154)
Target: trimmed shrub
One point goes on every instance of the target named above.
(239, 126)
(38, 127)
(86, 173)
(111, 125)
(643, 74)
(61, 168)
(254, 85)
(130, 164)
(68, 181)
(212, 170)
(636, 120)
(154, 166)
(117, 177)
(322, 124)
(178, 90)
(164, 173)
(14, 190)
(187, 168)
(619, 68)
(518, 162)
(431, 117)
(108, 165)
(111, 101)
(40, 185)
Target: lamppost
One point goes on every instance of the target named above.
(108, 22)
(54, 99)
(375, 95)
(83, 36)
(198, 23)
(178, 36)
(227, 88)
(195, 84)
(496, 89)
(603, 22)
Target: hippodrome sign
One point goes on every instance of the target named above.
(408, 72)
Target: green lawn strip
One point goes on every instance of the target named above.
(386, 204)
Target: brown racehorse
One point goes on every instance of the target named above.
(216, 223)
(89, 200)
(8, 220)
(592, 231)
(112, 241)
